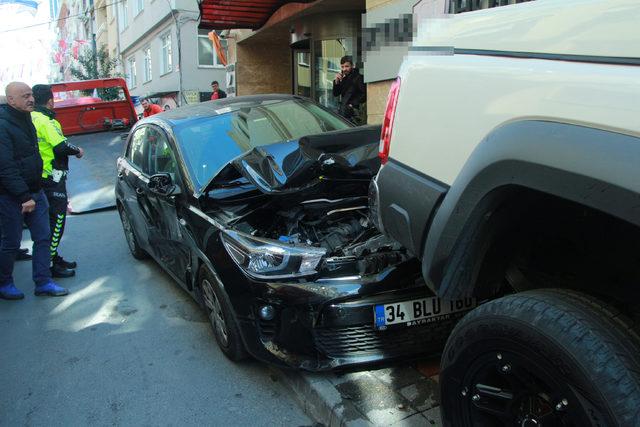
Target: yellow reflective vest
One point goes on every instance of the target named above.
(49, 135)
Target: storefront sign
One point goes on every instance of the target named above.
(191, 96)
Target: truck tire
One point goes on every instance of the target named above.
(546, 357)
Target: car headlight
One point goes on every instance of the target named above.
(269, 259)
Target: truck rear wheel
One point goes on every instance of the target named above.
(542, 358)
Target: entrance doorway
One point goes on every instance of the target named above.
(302, 72)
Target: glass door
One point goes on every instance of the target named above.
(327, 54)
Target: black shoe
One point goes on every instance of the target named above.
(58, 260)
(60, 271)
(23, 254)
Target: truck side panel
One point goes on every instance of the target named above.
(476, 94)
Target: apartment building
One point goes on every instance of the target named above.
(164, 54)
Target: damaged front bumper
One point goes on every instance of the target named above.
(329, 323)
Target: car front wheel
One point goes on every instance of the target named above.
(542, 358)
(221, 317)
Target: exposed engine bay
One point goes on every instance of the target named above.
(341, 226)
(301, 208)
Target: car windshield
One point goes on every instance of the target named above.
(209, 143)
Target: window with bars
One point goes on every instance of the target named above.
(138, 6)
(166, 61)
(131, 72)
(206, 53)
(124, 14)
(461, 6)
(147, 64)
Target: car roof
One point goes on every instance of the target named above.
(219, 107)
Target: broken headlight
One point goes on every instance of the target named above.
(269, 259)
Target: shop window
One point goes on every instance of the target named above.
(327, 54)
(302, 73)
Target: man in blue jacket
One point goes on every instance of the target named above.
(21, 195)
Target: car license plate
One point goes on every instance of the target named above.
(419, 312)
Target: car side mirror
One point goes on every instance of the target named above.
(162, 184)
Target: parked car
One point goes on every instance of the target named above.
(511, 145)
(258, 207)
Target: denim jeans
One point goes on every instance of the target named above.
(11, 219)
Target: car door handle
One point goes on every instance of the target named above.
(182, 221)
(139, 191)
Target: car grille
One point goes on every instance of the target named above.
(267, 328)
(364, 340)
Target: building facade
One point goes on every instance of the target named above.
(157, 43)
(163, 53)
(297, 48)
(73, 29)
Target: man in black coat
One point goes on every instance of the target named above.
(349, 85)
(21, 195)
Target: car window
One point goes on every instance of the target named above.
(161, 156)
(138, 155)
(209, 143)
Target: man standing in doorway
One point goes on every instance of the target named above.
(21, 195)
(349, 86)
(149, 108)
(217, 92)
(55, 152)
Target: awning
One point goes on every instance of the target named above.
(229, 14)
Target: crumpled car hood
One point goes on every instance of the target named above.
(293, 166)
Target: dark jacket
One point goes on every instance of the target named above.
(20, 162)
(352, 91)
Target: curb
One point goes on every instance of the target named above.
(402, 395)
(320, 400)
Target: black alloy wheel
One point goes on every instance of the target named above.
(542, 358)
(130, 236)
(221, 317)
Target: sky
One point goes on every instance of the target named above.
(26, 52)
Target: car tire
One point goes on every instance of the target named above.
(130, 236)
(542, 357)
(221, 318)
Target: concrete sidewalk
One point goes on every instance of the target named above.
(405, 395)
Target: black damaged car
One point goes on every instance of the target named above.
(258, 207)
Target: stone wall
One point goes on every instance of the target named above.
(377, 93)
(264, 68)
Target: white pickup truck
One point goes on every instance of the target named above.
(511, 152)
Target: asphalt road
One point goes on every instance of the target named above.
(127, 347)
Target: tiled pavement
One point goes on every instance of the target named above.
(403, 395)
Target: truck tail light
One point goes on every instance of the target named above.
(387, 124)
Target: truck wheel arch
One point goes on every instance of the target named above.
(553, 158)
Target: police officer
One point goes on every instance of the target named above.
(55, 152)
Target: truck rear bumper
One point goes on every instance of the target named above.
(403, 202)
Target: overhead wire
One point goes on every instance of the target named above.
(59, 19)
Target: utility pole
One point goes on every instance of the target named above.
(175, 14)
(92, 14)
